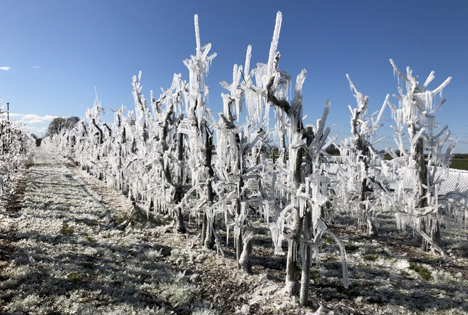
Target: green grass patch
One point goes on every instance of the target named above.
(74, 277)
(460, 164)
(330, 259)
(91, 222)
(351, 247)
(371, 257)
(328, 240)
(422, 271)
(66, 229)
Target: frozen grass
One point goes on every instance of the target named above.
(391, 275)
(72, 257)
(79, 250)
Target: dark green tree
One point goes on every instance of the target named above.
(60, 123)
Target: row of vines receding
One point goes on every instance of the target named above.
(258, 161)
(16, 147)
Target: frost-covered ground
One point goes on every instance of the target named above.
(77, 247)
(71, 256)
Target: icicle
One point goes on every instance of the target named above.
(274, 44)
(197, 35)
(343, 258)
(248, 56)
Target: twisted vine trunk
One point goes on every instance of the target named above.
(208, 239)
(306, 259)
(430, 222)
(180, 181)
(307, 225)
(292, 285)
(244, 260)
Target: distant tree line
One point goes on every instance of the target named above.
(56, 126)
(60, 123)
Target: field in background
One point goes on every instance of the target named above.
(460, 164)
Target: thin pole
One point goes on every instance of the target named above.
(8, 111)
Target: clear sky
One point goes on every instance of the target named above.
(53, 53)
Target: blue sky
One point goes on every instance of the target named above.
(53, 53)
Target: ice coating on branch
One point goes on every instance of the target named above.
(161, 155)
(360, 186)
(198, 67)
(274, 44)
(298, 88)
(16, 149)
(248, 56)
(343, 259)
(197, 35)
(239, 153)
(302, 181)
(415, 116)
